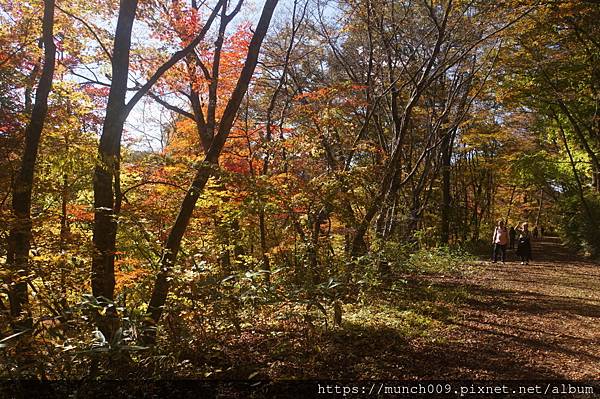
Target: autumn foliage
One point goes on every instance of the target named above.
(227, 179)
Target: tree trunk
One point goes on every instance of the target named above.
(580, 191)
(447, 145)
(106, 173)
(584, 143)
(107, 195)
(264, 248)
(64, 238)
(510, 203)
(20, 233)
(173, 242)
(539, 212)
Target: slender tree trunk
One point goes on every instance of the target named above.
(173, 242)
(510, 202)
(107, 195)
(464, 231)
(539, 212)
(223, 229)
(476, 219)
(106, 174)
(313, 248)
(581, 193)
(447, 145)
(584, 143)
(264, 248)
(64, 237)
(20, 233)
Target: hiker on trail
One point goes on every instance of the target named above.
(512, 235)
(500, 240)
(524, 244)
(535, 232)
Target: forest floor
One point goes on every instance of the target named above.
(497, 321)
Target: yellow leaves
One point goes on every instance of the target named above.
(280, 178)
(368, 146)
(281, 248)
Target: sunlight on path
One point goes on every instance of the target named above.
(532, 321)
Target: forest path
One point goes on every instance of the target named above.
(521, 321)
(494, 322)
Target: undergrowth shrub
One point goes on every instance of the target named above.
(438, 260)
(406, 258)
(576, 228)
(478, 247)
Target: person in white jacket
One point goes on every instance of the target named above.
(499, 241)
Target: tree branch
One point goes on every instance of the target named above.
(175, 58)
(89, 28)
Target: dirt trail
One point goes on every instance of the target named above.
(502, 322)
(522, 322)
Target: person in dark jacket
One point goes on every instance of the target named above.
(512, 235)
(524, 244)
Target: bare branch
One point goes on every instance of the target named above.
(89, 28)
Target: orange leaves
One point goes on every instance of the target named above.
(340, 95)
(130, 272)
(236, 164)
(235, 49)
(184, 140)
(232, 57)
(80, 213)
(187, 23)
(94, 91)
(5, 56)
(239, 154)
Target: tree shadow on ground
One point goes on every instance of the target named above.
(533, 303)
(388, 355)
(492, 332)
(481, 326)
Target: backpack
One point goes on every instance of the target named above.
(523, 239)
